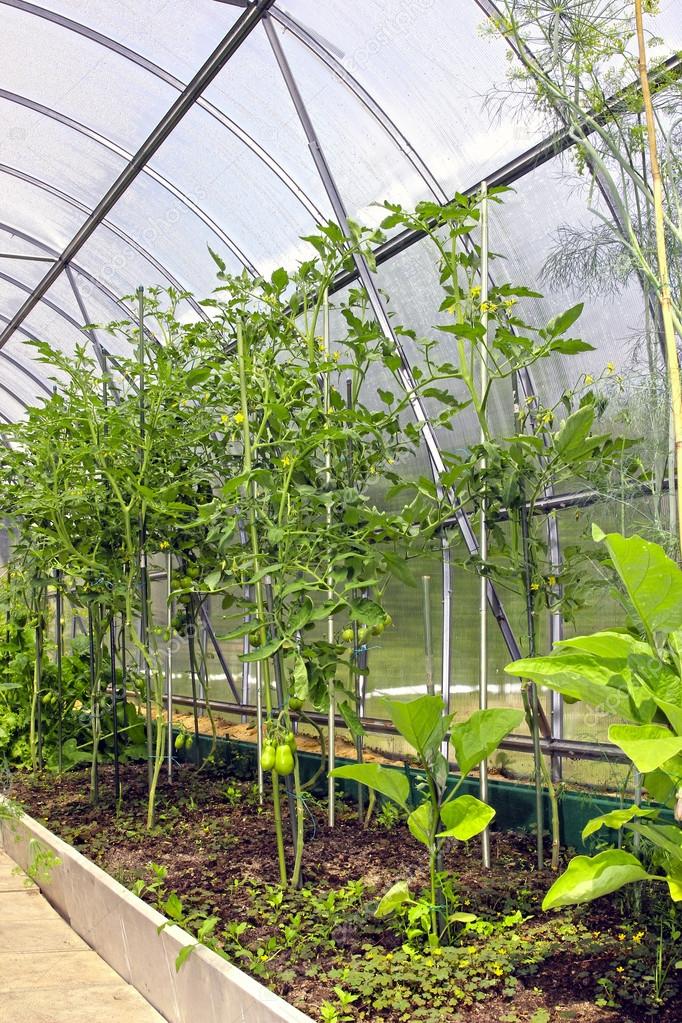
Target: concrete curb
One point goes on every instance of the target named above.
(123, 930)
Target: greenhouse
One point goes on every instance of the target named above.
(340, 552)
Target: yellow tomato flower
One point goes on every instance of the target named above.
(286, 461)
(620, 969)
(336, 356)
(610, 367)
(476, 290)
(164, 545)
(551, 579)
(637, 938)
(535, 586)
(621, 937)
(589, 379)
(238, 418)
(224, 420)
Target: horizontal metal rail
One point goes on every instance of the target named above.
(573, 749)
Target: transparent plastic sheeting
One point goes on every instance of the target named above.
(401, 97)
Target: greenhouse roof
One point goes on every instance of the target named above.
(136, 136)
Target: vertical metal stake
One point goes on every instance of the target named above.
(170, 614)
(483, 537)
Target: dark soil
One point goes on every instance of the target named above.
(217, 846)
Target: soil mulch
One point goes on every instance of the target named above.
(217, 846)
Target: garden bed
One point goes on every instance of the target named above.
(321, 947)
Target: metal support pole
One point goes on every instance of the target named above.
(331, 715)
(259, 728)
(114, 707)
(279, 689)
(59, 641)
(144, 582)
(170, 614)
(483, 536)
(428, 634)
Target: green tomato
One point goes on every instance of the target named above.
(347, 635)
(290, 740)
(193, 571)
(363, 633)
(187, 582)
(179, 741)
(284, 760)
(388, 621)
(189, 742)
(295, 702)
(267, 760)
(377, 629)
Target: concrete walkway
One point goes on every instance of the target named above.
(47, 973)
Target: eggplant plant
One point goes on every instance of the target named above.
(635, 675)
(441, 813)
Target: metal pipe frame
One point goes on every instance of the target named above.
(175, 83)
(124, 154)
(229, 45)
(379, 311)
(105, 224)
(568, 748)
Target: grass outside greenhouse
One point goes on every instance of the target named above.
(340, 552)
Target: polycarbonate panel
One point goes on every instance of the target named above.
(121, 269)
(176, 236)
(63, 157)
(366, 163)
(27, 271)
(668, 24)
(251, 92)
(80, 78)
(612, 323)
(236, 190)
(410, 282)
(430, 68)
(179, 38)
(11, 410)
(32, 209)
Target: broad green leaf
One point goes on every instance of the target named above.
(573, 431)
(421, 722)
(366, 611)
(395, 897)
(614, 647)
(419, 822)
(299, 678)
(647, 746)
(350, 716)
(465, 817)
(616, 819)
(476, 738)
(382, 779)
(560, 324)
(652, 580)
(262, 652)
(212, 580)
(578, 676)
(399, 567)
(590, 877)
(674, 879)
(664, 836)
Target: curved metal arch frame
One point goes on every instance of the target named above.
(107, 224)
(106, 143)
(165, 76)
(226, 48)
(50, 305)
(82, 272)
(398, 137)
